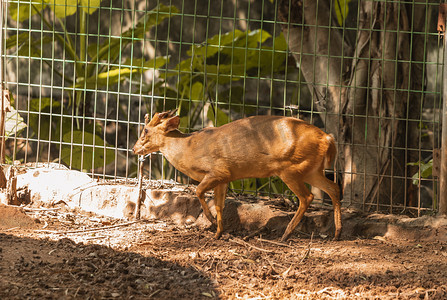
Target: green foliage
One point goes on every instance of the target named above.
(118, 74)
(425, 170)
(39, 117)
(23, 11)
(88, 57)
(77, 145)
(221, 64)
(93, 71)
(81, 153)
(341, 8)
(218, 117)
(61, 8)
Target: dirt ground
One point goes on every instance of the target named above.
(60, 254)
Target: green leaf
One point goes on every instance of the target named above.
(225, 73)
(415, 178)
(219, 118)
(213, 44)
(341, 10)
(17, 40)
(42, 104)
(63, 8)
(425, 170)
(184, 65)
(144, 65)
(92, 49)
(239, 53)
(82, 154)
(31, 49)
(197, 91)
(155, 17)
(39, 119)
(110, 78)
(152, 18)
(118, 74)
(22, 12)
(245, 46)
(89, 6)
(272, 59)
(233, 44)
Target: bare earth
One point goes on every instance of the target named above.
(66, 255)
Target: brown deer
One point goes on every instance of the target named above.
(254, 147)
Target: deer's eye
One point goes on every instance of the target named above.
(146, 131)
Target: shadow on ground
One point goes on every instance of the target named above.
(45, 269)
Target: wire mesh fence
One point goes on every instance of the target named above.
(82, 75)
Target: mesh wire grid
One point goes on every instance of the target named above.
(82, 74)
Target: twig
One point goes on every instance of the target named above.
(243, 243)
(271, 265)
(89, 230)
(204, 245)
(145, 243)
(96, 237)
(41, 209)
(274, 243)
(308, 249)
(87, 186)
(154, 293)
(12, 228)
(286, 272)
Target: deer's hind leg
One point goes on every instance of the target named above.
(295, 182)
(320, 181)
(220, 191)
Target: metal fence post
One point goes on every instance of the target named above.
(2, 43)
(2, 80)
(443, 173)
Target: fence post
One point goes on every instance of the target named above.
(2, 43)
(2, 80)
(443, 173)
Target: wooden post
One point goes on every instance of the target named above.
(142, 193)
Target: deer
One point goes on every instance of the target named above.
(253, 147)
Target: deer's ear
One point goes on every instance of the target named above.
(171, 124)
(147, 118)
(172, 112)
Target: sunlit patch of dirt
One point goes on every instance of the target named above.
(73, 255)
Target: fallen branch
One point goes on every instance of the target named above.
(89, 230)
(243, 243)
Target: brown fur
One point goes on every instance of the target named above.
(254, 147)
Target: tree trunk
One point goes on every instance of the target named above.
(363, 88)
